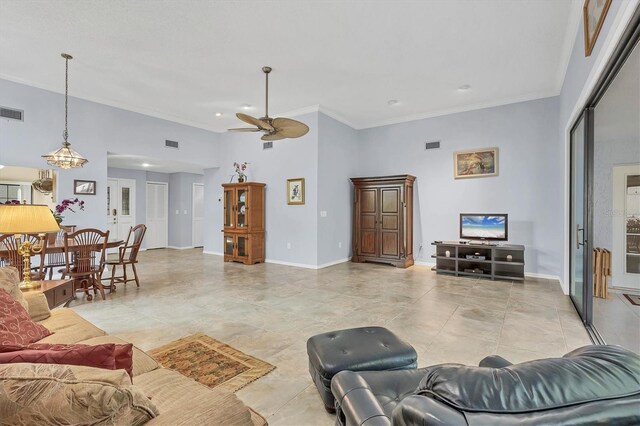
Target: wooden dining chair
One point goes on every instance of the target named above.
(127, 255)
(56, 260)
(9, 244)
(85, 254)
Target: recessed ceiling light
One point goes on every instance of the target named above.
(145, 165)
(218, 114)
(464, 87)
(392, 102)
(246, 106)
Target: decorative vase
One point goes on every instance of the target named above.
(241, 178)
(509, 258)
(447, 253)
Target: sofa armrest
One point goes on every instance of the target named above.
(494, 361)
(417, 410)
(38, 305)
(356, 402)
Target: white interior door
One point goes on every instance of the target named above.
(197, 238)
(121, 211)
(157, 235)
(626, 227)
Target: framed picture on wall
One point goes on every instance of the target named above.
(295, 191)
(594, 12)
(475, 163)
(84, 187)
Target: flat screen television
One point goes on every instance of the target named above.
(476, 226)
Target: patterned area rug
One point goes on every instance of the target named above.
(210, 362)
(634, 299)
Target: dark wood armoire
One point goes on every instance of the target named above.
(383, 220)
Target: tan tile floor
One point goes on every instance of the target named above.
(270, 310)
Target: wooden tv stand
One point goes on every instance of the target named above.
(495, 265)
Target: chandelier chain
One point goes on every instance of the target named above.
(65, 134)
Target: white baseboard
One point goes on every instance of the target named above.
(180, 248)
(423, 263)
(543, 276)
(215, 253)
(335, 262)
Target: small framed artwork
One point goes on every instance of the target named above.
(475, 163)
(84, 187)
(295, 191)
(594, 12)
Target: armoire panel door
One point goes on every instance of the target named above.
(368, 222)
(390, 223)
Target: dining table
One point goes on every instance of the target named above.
(57, 246)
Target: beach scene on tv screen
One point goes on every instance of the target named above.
(483, 226)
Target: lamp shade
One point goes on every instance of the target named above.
(26, 219)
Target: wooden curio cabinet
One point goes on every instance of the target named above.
(383, 220)
(243, 210)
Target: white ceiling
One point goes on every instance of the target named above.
(135, 162)
(185, 60)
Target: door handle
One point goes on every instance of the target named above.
(115, 212)
(578, 243)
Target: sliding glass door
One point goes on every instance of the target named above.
(580, 227)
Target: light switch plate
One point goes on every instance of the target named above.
(323, 213)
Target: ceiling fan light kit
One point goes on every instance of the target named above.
(273, 128)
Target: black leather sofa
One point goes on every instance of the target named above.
(590, 385)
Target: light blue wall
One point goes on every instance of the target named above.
(94, 130)
(289, 158)
(337, 162)
(528, 186)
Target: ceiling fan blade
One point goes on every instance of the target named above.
(273, 137)
(262, 125)
(289, 128)
(244, 129)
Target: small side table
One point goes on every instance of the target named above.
(57, 292)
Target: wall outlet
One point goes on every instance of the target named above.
(288, 245)
(177, 211)
(340, 244)
(185, 212)
(323, 213)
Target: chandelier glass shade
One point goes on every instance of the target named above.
(65, 157)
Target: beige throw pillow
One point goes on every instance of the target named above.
(47, 394)
(9, 282)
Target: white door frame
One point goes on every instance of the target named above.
(115, 200)
(619, 277)
(166, 184)
(193, 213)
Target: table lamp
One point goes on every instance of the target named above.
(23, 219)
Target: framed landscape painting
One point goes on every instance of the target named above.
(84, 187)
(295, 191)
(475, 163)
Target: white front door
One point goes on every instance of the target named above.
(121, 202)
(197, 238)
(157, 235)
(626, 227)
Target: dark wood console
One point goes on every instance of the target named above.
(495, 261)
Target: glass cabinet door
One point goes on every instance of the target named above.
(228, 245)
(241, 208)
(243, 246)
(229, 219)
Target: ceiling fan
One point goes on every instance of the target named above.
(273, 128)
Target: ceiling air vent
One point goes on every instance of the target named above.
(171, 144)
(12, 114)
(432, 145)
(267, 145)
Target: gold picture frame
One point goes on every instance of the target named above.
(295, 191)
(593, 13)
(475, 163)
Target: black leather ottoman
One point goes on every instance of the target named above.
(355, 349)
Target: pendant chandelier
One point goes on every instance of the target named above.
(65, 157)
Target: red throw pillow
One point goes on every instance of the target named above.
(107, 355)
(16, 326)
